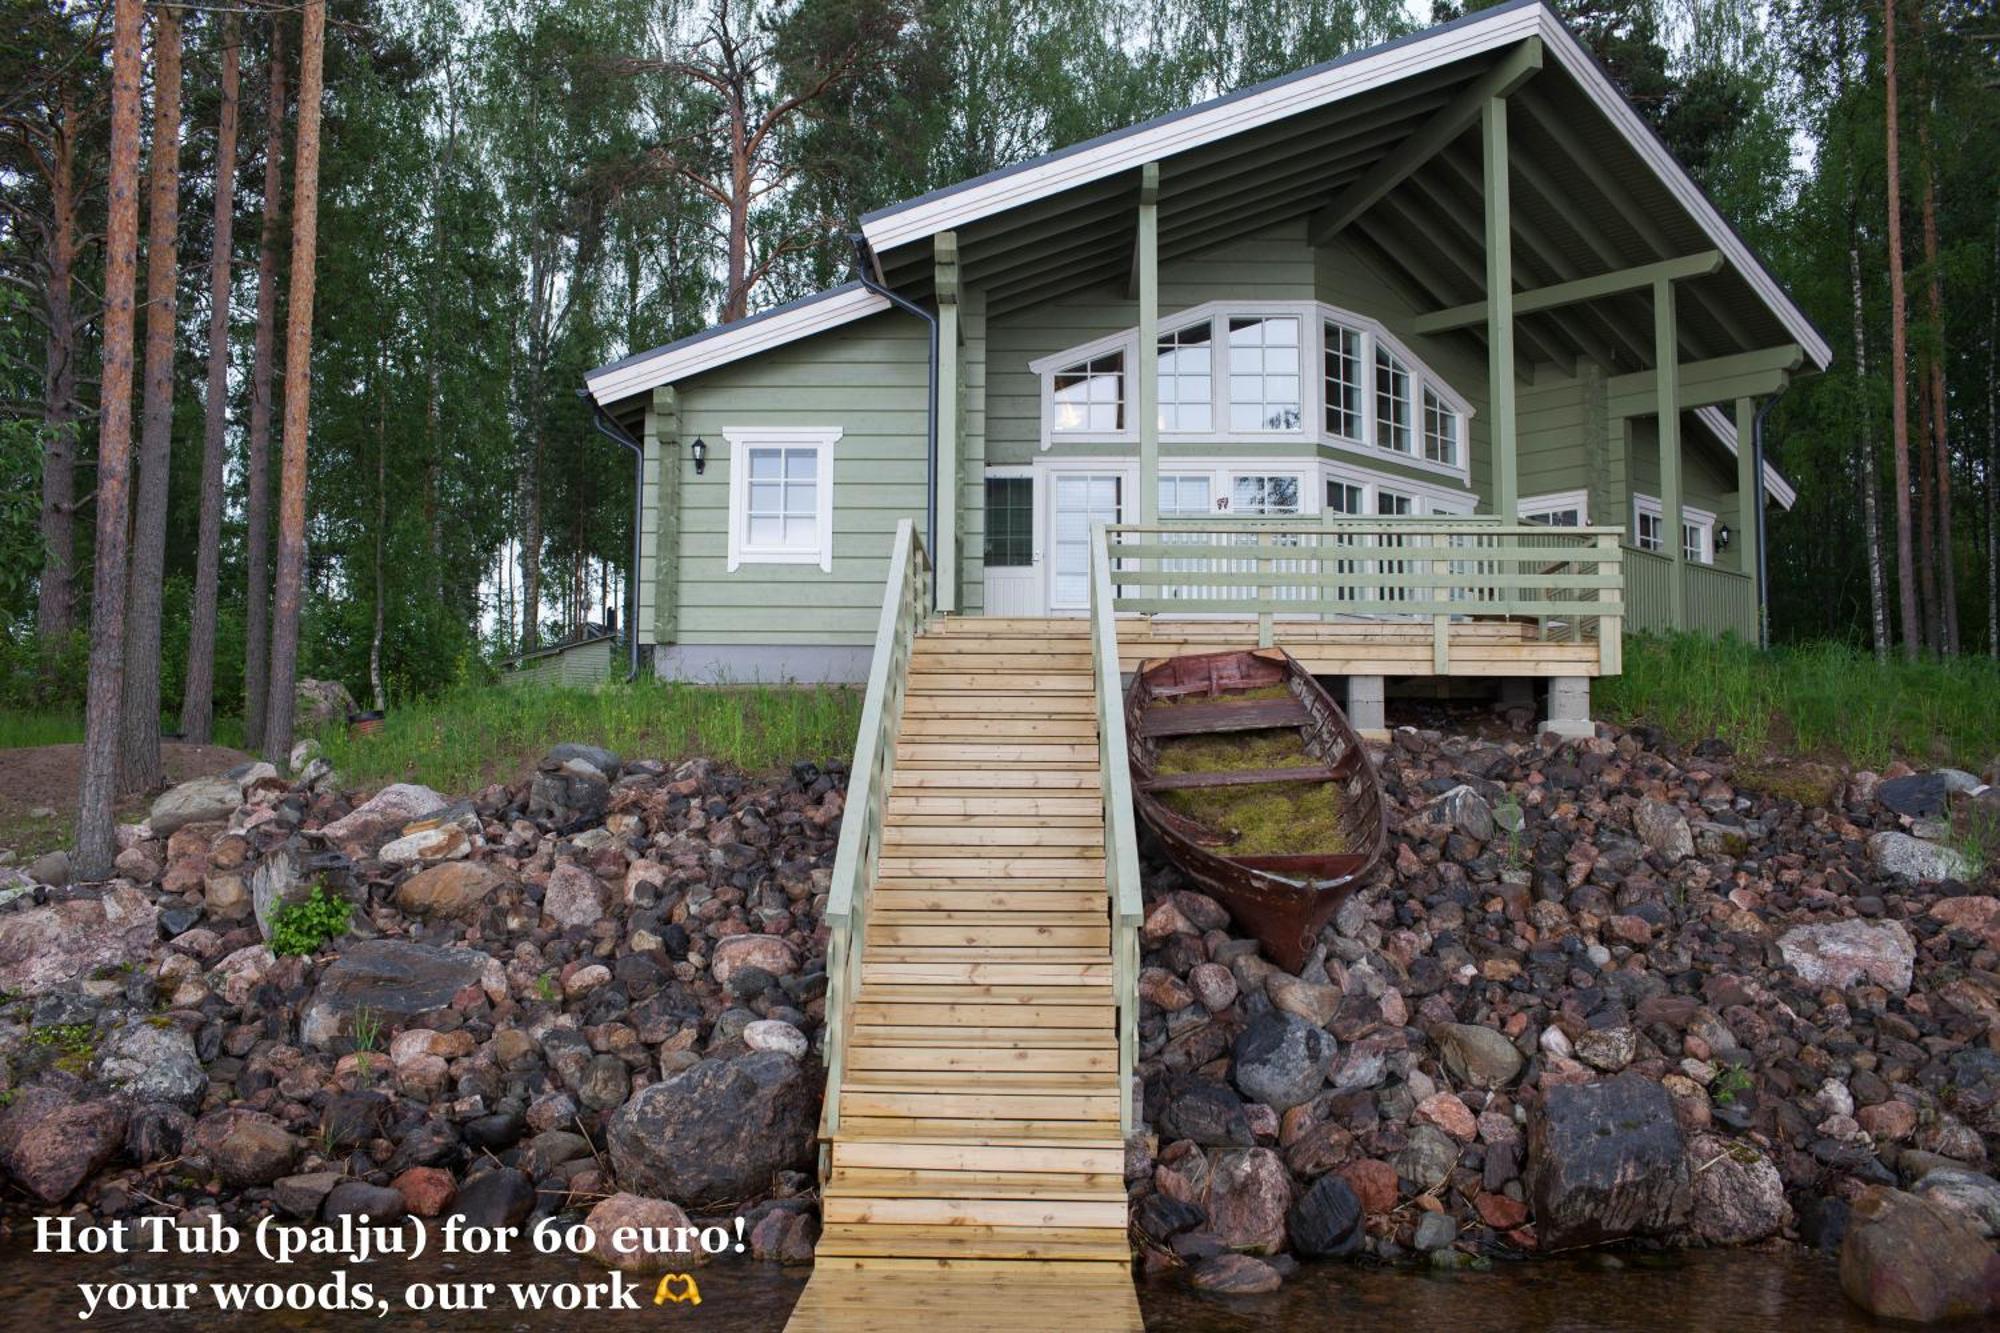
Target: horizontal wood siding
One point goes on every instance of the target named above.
(1708, 476)
(870, 379)
(1719, 601)
(578, 666)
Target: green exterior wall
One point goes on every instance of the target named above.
(576, 667)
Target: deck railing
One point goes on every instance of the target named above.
(1121, 832)
(1717, 601)
(1565, 581)
(906, 602)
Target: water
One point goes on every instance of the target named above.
(1730, 1292)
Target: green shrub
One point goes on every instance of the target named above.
(302, 928)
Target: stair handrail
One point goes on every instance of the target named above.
(906, 603)
(1121, 831)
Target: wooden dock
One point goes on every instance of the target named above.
(977, 1172)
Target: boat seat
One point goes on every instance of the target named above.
(1246, 777)
(1224, 715)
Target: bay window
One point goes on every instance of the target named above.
(1440, 429)
(1263, 374)
(1343, 382)
(1187, 379)
(1392, 402)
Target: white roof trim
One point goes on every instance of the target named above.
(1339, 80)
(1718, 421)
(732, 342)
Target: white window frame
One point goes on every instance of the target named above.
(1701, 521)
(1559, 502)
(1313, 317)
(741, 440)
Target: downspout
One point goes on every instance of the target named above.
(610, 431)
(867, 270)
(1756, 446)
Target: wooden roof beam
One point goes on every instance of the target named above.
(1719, 379)
(1470, 267)
(1577, 291)
(1459, 115)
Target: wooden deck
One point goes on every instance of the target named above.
(977, 1172)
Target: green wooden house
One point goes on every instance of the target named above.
(1428, 297)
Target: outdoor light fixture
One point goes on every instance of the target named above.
(1722, 537)
(700, 455)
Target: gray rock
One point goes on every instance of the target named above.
(1915, 859)
(1971, 1192)
(46, 948)
(394, 980)
(574, 896)
(567, 794)
(718, 1133)
(153, 1062)
(1664, 829)
(1427, 1159)
(1606, 1161)
(771, 1034)
(50, 868)
(246, 1147)
(499, 1198)
(1609, 1049)
(1477, 1055)
(320, 703)
(1281, 1060)
(300, 1196)
(1739, 1198)
(1841, 953)
(1464, 809)
(1326, 1221)
(604, 761)
(1435, 1231)
(1918, 796)
(382, 814)
(1211, 1114)
(363, 1202)
(275, 885)
(200, 801)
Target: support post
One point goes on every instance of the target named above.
(1666, 368)
(663, 565)
(1147, 261)
(1569, 708)
(1500, 310)
(1367, 707)
(1747, 489)
(944, 556)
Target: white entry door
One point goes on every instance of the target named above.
(1077, 501)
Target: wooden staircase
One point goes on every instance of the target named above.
(977, 1168)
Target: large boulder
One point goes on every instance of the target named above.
(1605, 1161)
(368, 824)
(151, 1060)
(454, 889)
(246, 1147)
(320, 703)
(1326, 1221)
(51, 1143)
(570, 790)
(627, 1231)
(716, 1134)
(45, 948)
(1247, 1196)
(1918, 795)
(1841, 953)
(1913, 1259)
(394, 980)
(1281, 1060)
(1973, 1193)
(1738, 1195)
(198, 801)
(1915, 859)
(275, 885)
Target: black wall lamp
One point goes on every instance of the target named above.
(700, 455)
(1722, 537)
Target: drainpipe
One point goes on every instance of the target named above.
(866, 268)
(1756, 446)
(609, 430)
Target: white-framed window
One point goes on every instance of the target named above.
(1253, 372)
(1263, 373)
(1697, 529)
(1078, 501)
(1187, 378)
(1345, 413)
(1441, 422)
(781, 496)
(1090, 396)
(1392, 402)
(1563, 509)
(1187, 494)
(1264, 495)
(1346, 498)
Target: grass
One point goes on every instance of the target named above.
(470, 737)
(1825, 701)
(21, 728)
(1267, 819)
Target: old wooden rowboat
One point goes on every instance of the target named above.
(1283, 899)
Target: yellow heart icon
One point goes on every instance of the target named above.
(687, 1293)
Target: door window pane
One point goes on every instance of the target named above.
(1264, 374)
(1080, 501)
(1010, 521)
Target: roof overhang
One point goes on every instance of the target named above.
(1323, 85)
(1724, 430)
(733, 341)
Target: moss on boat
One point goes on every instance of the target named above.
(1267, 819)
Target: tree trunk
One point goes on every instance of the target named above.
(1993, 454)
(96, 818)
(1871, 517)
(1946, 633)
(139, 745)
(298, 394)
(55, 605)
(1926, 514)
(1899, 356)
(736, 299)
(198, 700)
(381, 529)
(257, 447)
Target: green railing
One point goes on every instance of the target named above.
(1121, 833)
(1717, 601)
(906, 603)
(1565, 581)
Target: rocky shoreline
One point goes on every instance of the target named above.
(1604, 991)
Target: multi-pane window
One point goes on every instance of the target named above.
(1090, 396)
(1187, 379)
(1440, 430)
(1265, 496)
(1391, 505)
(1694, 543)
(1082, 500)
(1646, 530)
(1264, 374)
(1186, 496)
(1343, 382)
(783, 509)
(1010, 521)
(1392, 402)
(1344, 497)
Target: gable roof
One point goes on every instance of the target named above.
(1724, 429)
